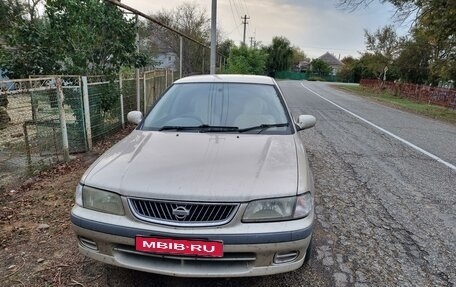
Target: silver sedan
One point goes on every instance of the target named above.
(213, 182)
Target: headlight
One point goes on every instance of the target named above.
(100, 200)
(279, 209)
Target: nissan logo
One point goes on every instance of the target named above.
(181, 212)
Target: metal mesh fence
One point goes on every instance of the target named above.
(74, 115)
(13, 156)
(129, 95)
(104, 105)
(30, 127)
(149, 89)
(47, 118)
(28, 134)
(151, 85)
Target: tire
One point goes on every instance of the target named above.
(308, 253)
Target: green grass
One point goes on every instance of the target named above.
(387, 97)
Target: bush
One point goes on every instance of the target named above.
(316, 78)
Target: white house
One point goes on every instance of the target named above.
(332, 61)
(165, 60)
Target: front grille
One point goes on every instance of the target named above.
(182, 213)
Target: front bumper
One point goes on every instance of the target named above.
(245, 253)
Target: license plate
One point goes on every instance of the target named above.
(203, 248)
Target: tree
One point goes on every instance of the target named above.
(383, 48)
(191, 20)
(11, 12)
(245, 60)
(320, 67)
(225, 47)
(437, 24)
(383, 41)
(414, 59)
(373, 65)
(351, 70)
(298, 55)
(280, 55)
(436, 21)
(92, 36)
(74, 37)
(31, 50)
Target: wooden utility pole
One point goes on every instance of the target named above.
(244, 21)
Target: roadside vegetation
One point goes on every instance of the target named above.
(425, 56)
(389, 98)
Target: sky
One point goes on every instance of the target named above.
(316, 26)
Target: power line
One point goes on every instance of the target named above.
(236, 28)
(235, 4)
(246, 9)
(234, 18)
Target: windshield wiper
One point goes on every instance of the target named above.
(212, 129)
(263, 127)
(178, 128)
(200, 128)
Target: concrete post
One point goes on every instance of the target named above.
(213, 36)
(85, 98)
(144, 94)
(63, 127)
(138, 85)
(122, 112)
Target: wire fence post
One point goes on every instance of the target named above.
(122, 117)
(138, 90)
(63, 127)
(144, 93)
(158, 83)
(180, 57)
(27, 146)
(85, 98)
(154, 89)
(138, 85)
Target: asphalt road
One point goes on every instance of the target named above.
(385, 202)
(387, 210)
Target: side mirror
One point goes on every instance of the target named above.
(134, 117)
(305, 122)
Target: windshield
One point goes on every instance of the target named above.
(227, 107)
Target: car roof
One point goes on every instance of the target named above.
(220, 78)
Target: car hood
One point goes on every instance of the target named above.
(198, 166)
